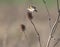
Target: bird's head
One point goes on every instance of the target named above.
(32, 9)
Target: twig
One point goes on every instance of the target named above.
(54, 26)
(23, 28)
(56, 42)
(30, 17)
(51, 34)
(49, 38)
(6, 35)
(37, 33)
(48, 14)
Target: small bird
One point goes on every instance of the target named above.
(32, 9)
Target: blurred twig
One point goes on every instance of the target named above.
(37, 33)
(49, 18)
(30, 17)
(23, 28)
(6, 36)
(57, 41)
(48, 14)
(54, 26)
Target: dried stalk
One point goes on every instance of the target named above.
(48, 42)
(37, 33)
(56, 42)
(5, 40)
(48, 14)
(23, 28)
(52, 32)
(30, 17)
(6, 35)
(54, 26)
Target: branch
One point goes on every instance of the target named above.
(54, 26)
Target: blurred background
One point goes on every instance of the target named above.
(13, 13)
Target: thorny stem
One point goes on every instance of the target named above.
(49, 38)
(57, 22)
(56, 42)
(54, 26)
(36, 32)
(48, 14)
(52, 32)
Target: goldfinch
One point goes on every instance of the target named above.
(32, 9)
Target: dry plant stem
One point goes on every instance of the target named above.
(56, 42)
(54, 26)
(19, 40)
(30, 2)
(48, 14)
(23, 30)
(48, 42)
(36, 32)
(52, 32)
(25, 35)
(58, 5)
(49, 25)
(57, 21)
(5, 37)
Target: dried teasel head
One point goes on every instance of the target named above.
(29, 14)
(23, 27)
(31, 9)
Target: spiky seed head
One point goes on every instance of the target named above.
(23, 27)
(30, 15)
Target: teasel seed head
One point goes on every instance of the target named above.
(23, 27)
(29, 14)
